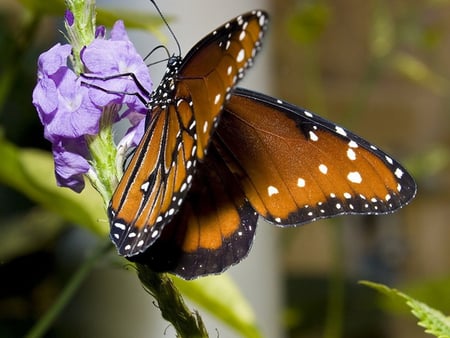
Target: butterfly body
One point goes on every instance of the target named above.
(214, 158)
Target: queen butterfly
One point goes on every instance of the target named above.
(215, 157)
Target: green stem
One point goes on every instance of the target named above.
(44, 323)
(173, 309)
(104, 152)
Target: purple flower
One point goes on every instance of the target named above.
(116, 57)
(70, 164)
(70, 106)
(68, 16)
(134, 133)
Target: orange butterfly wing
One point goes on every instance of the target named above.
(268, 157)
(213, 229)
(295, 167)
(185, 110)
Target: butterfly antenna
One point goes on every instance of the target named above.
(167, 25)
(155, 49)
(156, 62)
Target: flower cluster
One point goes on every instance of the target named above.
(72, 107)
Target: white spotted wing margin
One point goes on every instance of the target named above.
(296, 167)
(154, 184)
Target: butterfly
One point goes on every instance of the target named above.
(214, 158)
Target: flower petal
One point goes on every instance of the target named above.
(70, 164)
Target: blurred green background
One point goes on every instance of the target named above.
(380, 68)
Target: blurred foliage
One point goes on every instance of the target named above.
(434, 292)
(307, 24)
(30, 171)
(434, 322)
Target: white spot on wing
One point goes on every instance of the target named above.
(120, 226)
(271, 190)
(301, 182)
(229, 70)
(353, 144)
(144, 186)
(262, 19)
(351, 154)
(217, 99)
(313, 136)
(354, 177)
(340, 131)
(240, 56)
(183, 187)
(323, 169)
(398, 173)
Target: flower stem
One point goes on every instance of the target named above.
(44, 323)
(171, 304)
(103, 152)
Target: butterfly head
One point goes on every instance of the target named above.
(163, 94)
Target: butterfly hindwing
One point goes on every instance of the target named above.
(213, 229)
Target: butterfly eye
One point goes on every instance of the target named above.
(214, 158)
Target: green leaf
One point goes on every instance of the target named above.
(27, 232)
(433, 291)
(220, 296)
(31, 172)
(434, 321)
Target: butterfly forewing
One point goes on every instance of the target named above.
(184, 112)
(152, 186)
(213, 67)
(296, 167)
